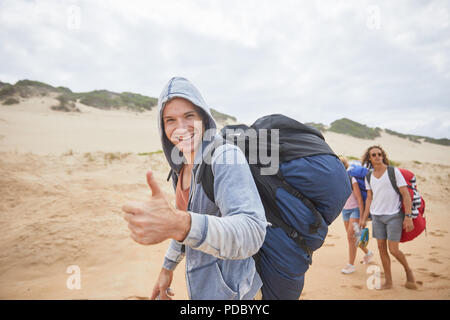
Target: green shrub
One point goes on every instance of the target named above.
(404, 136)
(319, 126)
(221, 116)
(89, 156)
(32, 83)
(394, 163)
(417, 139)
(7, 91)
(355, 129)
(104, 99)
(64, 90)
(65, 104)
(10, 101)
(101, 99)
(150, 153)
(137, 101)
(110, 156)
(443, 141)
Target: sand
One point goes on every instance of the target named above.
(65, 176)
(32, 126)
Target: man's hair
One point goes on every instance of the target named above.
(204, 116)
(365, 159)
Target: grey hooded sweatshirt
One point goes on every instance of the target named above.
(226, 234)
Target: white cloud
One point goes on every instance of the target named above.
(314, 60)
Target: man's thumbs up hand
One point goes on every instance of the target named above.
(155, 220)
(154, 187)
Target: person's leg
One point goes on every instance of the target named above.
(364, 249)
(368, 255)
(398, 254)
(380, 233)
(346, 218)
(354, 218)
(346, 225)
(386, 262)
(394, 233)
(351, 241)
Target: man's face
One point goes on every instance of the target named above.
(183, 124)
(376, 156)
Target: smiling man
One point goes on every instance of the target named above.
(218, 238)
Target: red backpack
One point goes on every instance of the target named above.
(417, 202)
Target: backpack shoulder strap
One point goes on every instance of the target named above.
(205, 174)
(170, 174)
(207, 180)
(391, 174)
(368, 176)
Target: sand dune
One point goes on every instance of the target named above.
(64, 178)
(398, 149)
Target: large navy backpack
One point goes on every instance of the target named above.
(359, 173)
(301, 199)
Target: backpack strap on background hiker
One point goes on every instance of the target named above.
(368, 176)
(351, 178)
(393, 179)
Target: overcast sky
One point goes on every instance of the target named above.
(381, 63)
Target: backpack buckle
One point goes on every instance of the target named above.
(293, 234)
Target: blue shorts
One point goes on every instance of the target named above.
(350, 213)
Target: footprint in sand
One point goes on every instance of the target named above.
(329, 245)
(136, 298)
(422, 269)
(435, 275)
(434, 260)
(357, 287)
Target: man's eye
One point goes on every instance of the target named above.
(169, 120)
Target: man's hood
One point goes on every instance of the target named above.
(178, 87)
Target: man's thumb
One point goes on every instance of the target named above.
(153, 184)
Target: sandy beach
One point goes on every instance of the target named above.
(65, 176)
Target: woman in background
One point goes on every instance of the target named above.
(351, 214)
